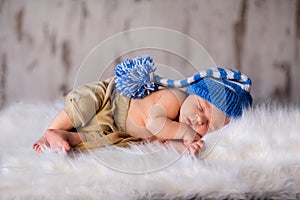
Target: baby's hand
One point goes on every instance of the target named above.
(190, 137)
(196, 147)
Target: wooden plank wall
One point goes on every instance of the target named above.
(43, 42)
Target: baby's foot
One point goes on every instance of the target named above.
(56, 140)
(37, 146)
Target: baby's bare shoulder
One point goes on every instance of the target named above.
(171, 100)
(174, 94)
(167, 96)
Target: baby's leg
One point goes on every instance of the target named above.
(57, 140)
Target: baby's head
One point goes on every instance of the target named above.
(212, 102)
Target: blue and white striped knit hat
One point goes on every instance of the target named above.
(226, 89)
(227, 94)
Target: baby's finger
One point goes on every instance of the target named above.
(187, 142)
(195, 151)
(198, 144)
(191, 150)
(66, 146)
(201, 143)
(196, 138)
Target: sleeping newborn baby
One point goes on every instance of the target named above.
(105, 113)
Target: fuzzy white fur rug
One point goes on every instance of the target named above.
(257, 156)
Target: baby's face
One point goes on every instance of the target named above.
(201, 115)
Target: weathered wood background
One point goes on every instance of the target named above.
(43, 42)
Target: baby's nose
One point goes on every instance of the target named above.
(200, 119)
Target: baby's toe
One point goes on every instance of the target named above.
(38, 148)
(66, 145)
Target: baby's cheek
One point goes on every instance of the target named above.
(218, 124)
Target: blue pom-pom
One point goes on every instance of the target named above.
(133, 77)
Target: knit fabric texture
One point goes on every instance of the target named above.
(227, 95)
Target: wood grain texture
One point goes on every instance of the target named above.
(43, 43)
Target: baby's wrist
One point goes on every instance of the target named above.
(184, 131)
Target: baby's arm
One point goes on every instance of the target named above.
(164, 128)
(160, 118)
